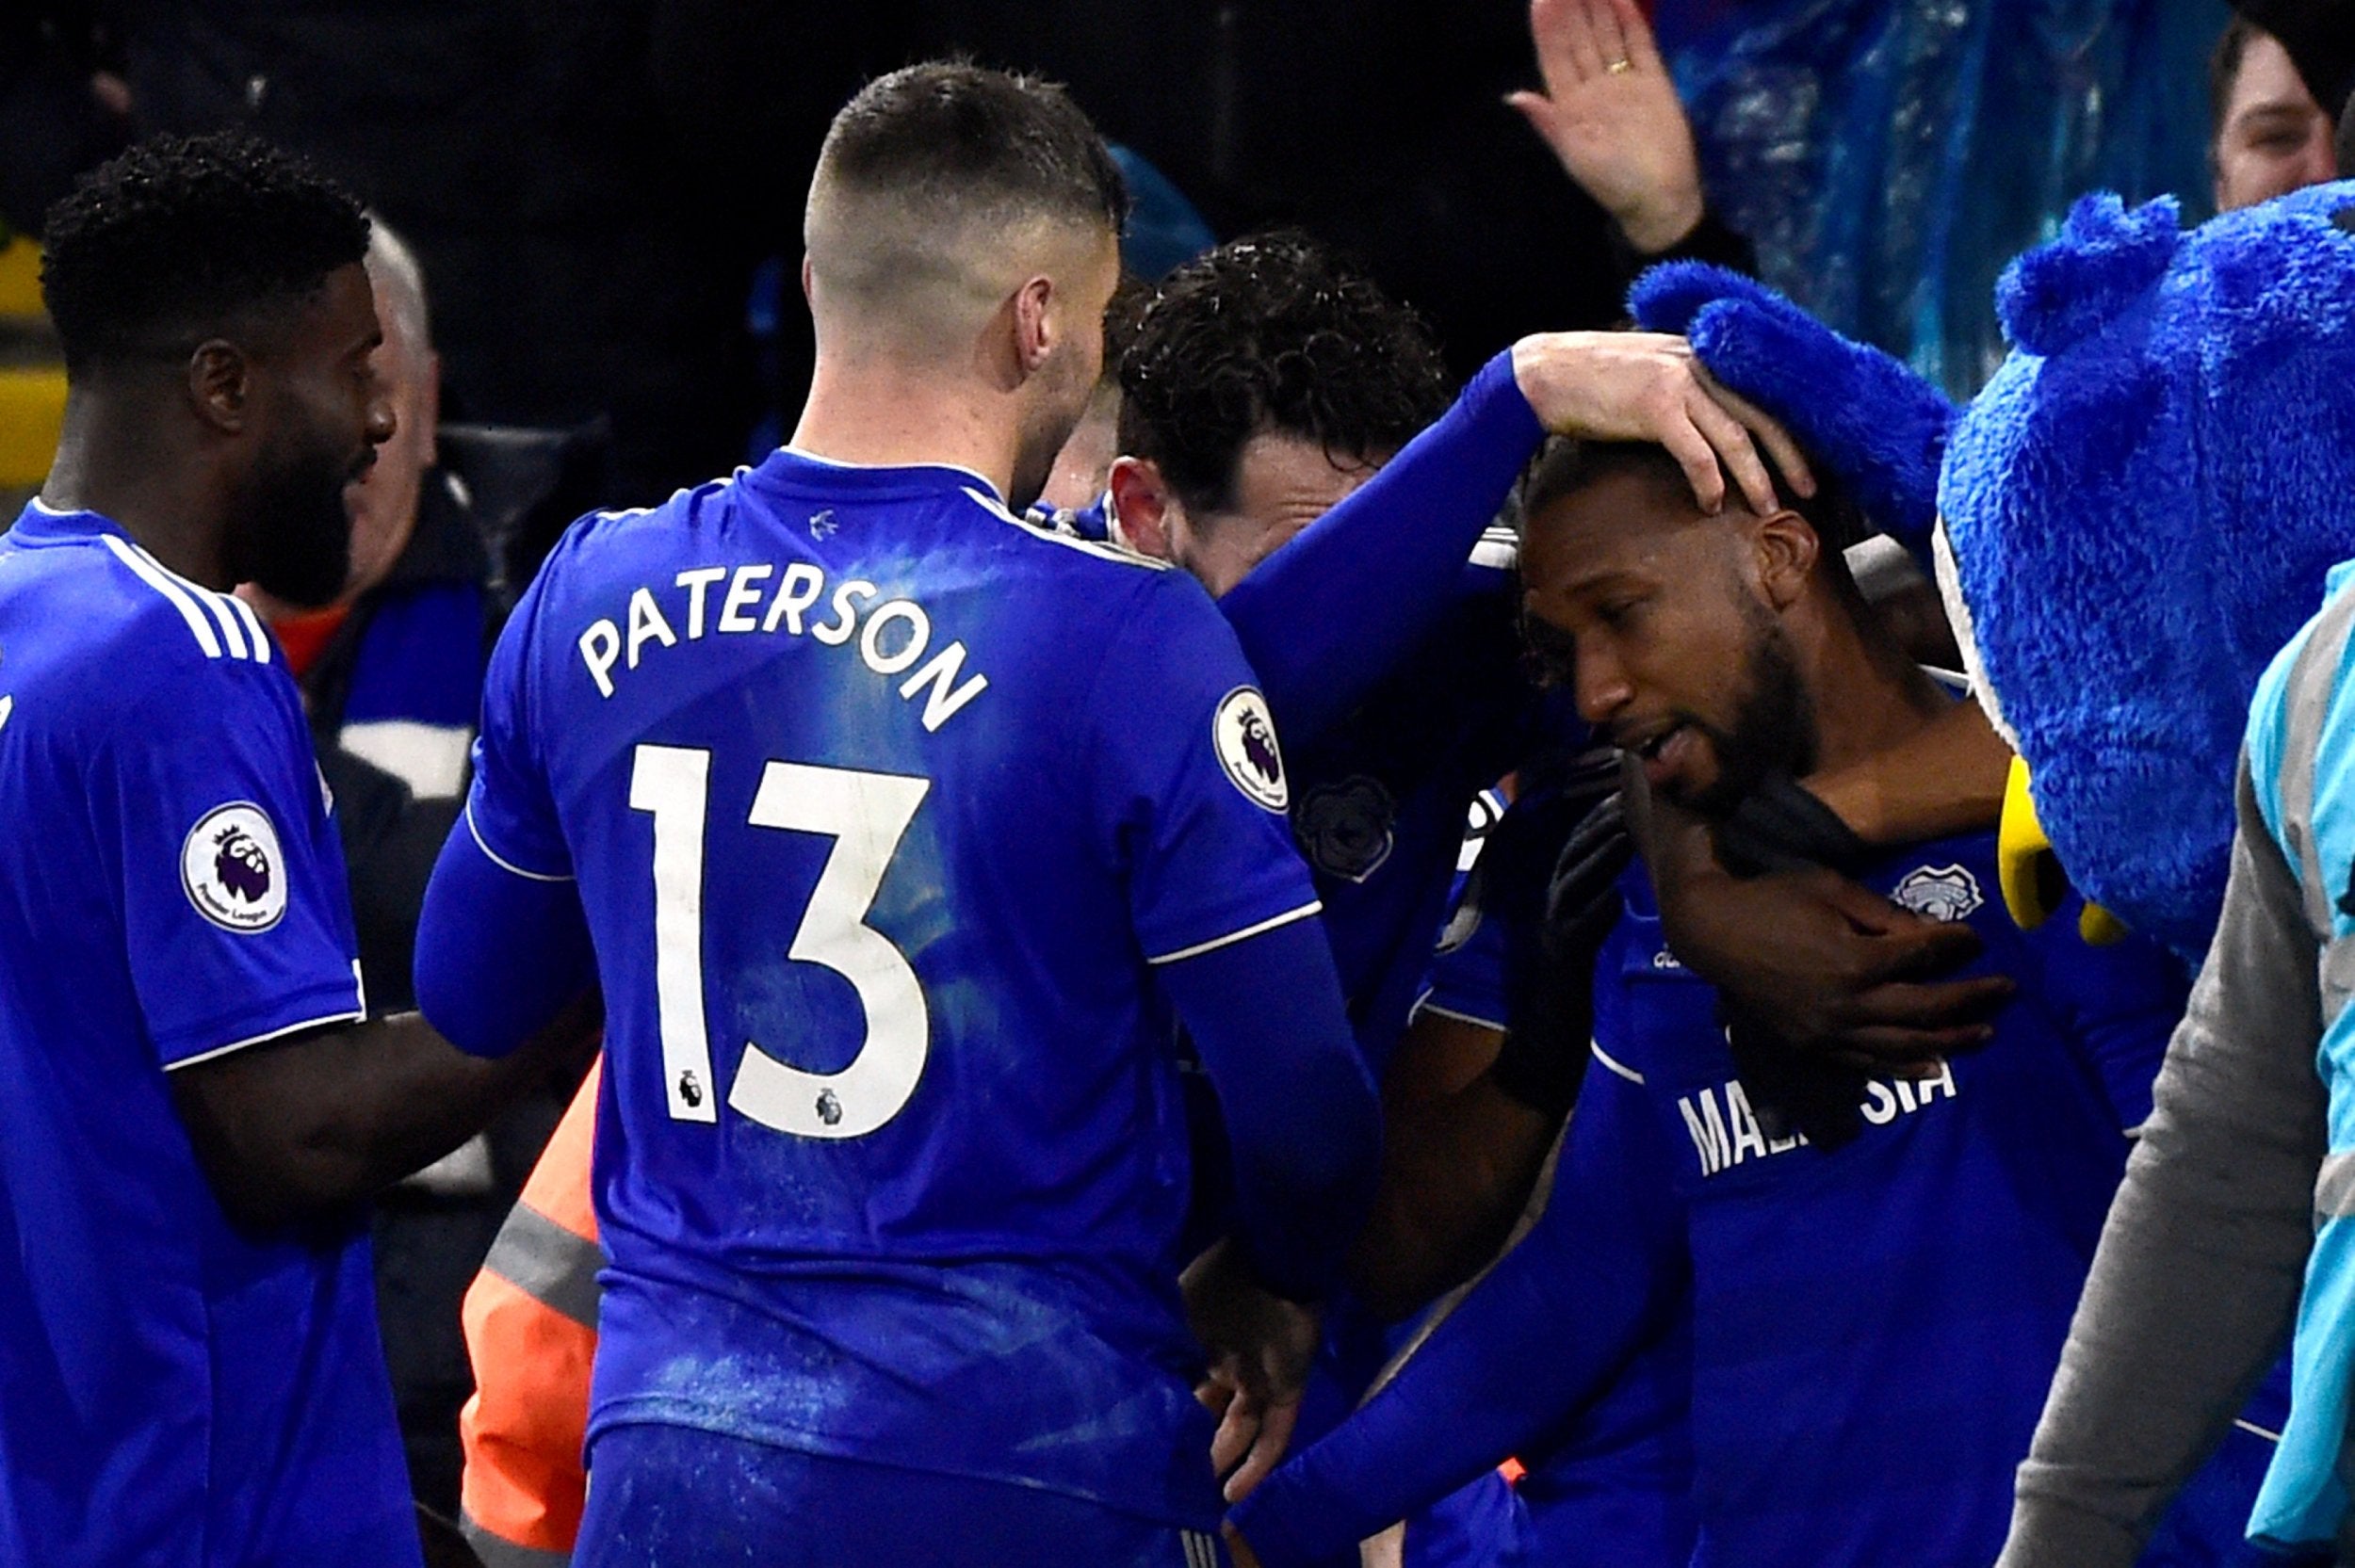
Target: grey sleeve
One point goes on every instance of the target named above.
(2198, 1275)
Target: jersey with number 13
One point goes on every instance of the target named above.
(883, 807)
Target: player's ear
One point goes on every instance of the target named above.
(1142, 505)
(1038, 324)
(1786, 548)
(221, 384)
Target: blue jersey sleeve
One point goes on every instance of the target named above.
(1328, 616)
(237, 919)
(1302, 1125)
(510, 809)
(1540, 1335)
(1191, 788)
(503, 941)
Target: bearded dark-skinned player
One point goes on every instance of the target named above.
(1845, 1305)
(198, 1098)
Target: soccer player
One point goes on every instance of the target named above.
(1872, 1315)
(1273, 427)
(191, 1374)
(895, 873)
(1339, 599)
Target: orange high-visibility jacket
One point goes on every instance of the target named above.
(530, 1320)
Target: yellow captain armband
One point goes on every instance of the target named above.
(2033, 880)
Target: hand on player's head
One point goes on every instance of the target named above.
(1649, 387)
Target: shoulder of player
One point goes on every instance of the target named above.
(1042, 541)
(608, 530)
(137, 623)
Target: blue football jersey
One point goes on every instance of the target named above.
(883, 806)
(1381, 801)
(172, 1391)
(1874, 1326)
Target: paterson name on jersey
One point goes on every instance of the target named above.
(892, 637)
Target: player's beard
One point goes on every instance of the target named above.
(1774, 723)
(293, 538)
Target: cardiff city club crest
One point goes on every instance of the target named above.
(231, 869)
(1245, 734)
(1345, 828)
(1942, 892)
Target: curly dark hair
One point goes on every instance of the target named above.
(1271, 332)
(179, 237)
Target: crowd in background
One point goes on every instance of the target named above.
(594, 197)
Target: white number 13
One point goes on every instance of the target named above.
(866, 815)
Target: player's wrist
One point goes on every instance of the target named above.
(1559, 374)
(1663, 220)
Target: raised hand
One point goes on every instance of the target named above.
(1610, 112)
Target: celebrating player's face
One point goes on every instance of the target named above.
(1282, 484)
(1677, 657)
(321, 414)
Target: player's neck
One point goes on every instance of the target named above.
(112, 461)
(881, 414)
(1867, 696)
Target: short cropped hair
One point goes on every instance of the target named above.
(986, 137)
(1275, 334)
(1565, 466)
(181, 237)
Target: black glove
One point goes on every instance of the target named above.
(1780, 827)
(1793, 1091)
(1550, 965)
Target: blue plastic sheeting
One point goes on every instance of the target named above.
(1889, 156)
